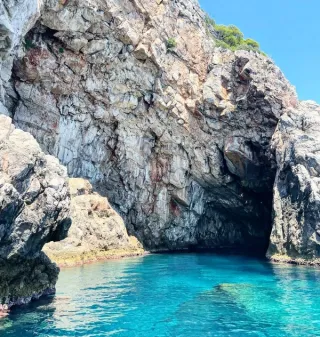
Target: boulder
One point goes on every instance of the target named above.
(97, 231)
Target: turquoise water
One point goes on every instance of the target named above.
(184, 295)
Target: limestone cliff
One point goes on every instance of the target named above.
(16, 19)
(34, 209)
(177, 139)
(177, 136)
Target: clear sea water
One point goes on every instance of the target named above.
(183, 295)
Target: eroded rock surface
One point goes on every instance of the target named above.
(17, 17)
(97, 231)
(34, 209)
(296, 232)
(178, 140)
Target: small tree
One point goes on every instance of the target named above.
(252, 43)
(231, 35)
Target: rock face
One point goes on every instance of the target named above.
(296, 232)
(34, 199)
(178, 138)
(17, 17)
(97, 231)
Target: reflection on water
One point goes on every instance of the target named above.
(176, 295)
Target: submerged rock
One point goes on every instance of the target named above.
(97, 231)
(34, 209)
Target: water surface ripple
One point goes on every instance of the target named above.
(183, 295)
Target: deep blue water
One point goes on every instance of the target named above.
(184, 295)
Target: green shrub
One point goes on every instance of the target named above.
(231, 37)
(222, 44)
(251, 43)
(171, 43)
(245, 47)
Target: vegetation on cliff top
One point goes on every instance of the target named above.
(231, 37)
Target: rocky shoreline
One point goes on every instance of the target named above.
(181, 144)
(69, 260)
(27, 280)
(299, 261)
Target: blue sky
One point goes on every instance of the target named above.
(287, 30)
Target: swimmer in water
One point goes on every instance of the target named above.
(4, 310)
(3, 314)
